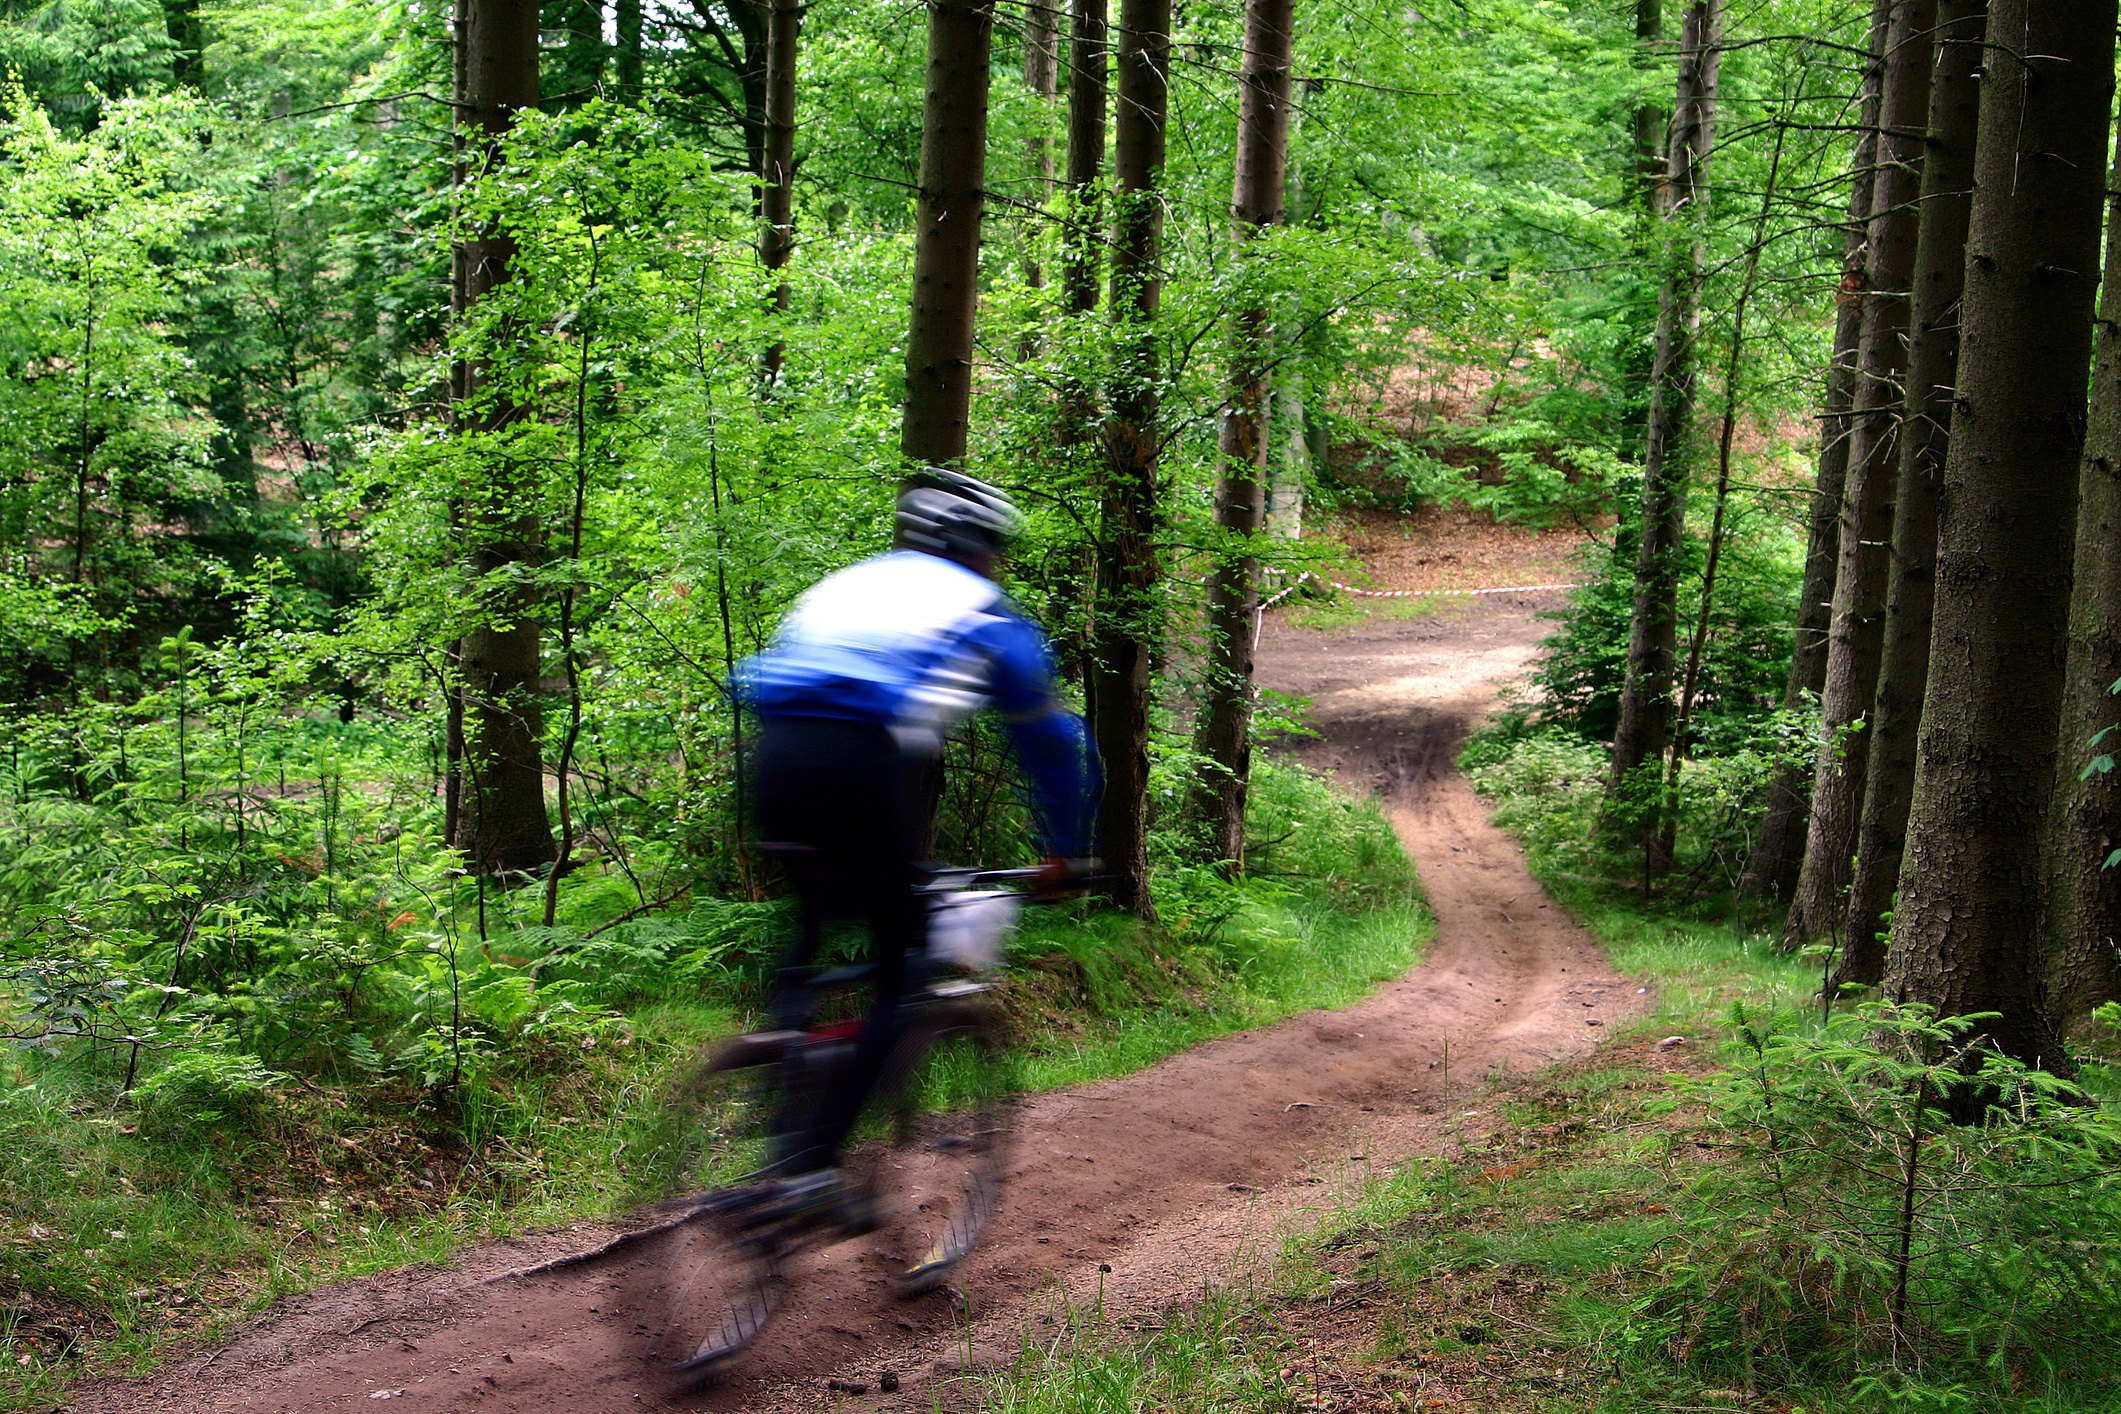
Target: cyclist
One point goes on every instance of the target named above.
(865, 678)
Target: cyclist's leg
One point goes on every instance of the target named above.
(896, 918)
(885, 874)
(843, 788)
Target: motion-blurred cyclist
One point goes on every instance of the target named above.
(867, 675)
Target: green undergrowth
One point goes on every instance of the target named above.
(133, 1224)
(1738, 1204)
(1605, 1237)
(1350, 611)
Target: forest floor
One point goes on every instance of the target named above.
(1132, 1193)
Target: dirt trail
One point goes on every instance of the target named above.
(1139, 1189)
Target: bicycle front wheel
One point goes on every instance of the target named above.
(950, 1092)
(720, 1283)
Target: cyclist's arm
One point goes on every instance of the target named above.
(1051, 743)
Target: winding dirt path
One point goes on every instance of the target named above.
(1136, 1190)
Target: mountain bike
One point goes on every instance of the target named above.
(924, 1171)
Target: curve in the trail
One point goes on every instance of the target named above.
(1135, 1190)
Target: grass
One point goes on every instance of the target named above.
(1528, 1268)
(125, 1234)
(1277, 957)
(1349, 611)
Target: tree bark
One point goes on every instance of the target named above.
(1856, 636)
(1925, 436)
(1129, 571)
(501, 822)
(745, 58)
(784, 26)
(1965, 932)
(946, 241)
(1224, 737)
(1644, 730)
(627, 62)
(1081, 267)
(1648, 120)
(1042, 77)
(1778, 848)
(1088, 58)
(2083, 896)
(1289, 456)
(187, 39)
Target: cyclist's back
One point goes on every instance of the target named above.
(869, 672)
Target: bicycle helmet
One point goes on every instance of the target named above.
(948, 513)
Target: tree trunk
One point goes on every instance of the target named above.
(1224, 738)
(1645, 178)
(1289, 458)
(574, 70)
(1856, 636)
(2083, 896)
(1965, 932)
(1042, 77)
(1129, 613)
(1925, 435)
(1648, 118)
(187, 42)
(501, 822)
(1644, 730)
(1088, 58)
(784, 26)
(747, 60)
(946, 241)
(1082, 262)
(1778, 848)
(1727, 430)
(626, 29)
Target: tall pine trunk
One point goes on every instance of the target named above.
(1965, 932)
(1925, 436)
(187, 42)
(1042, 77)
(1778, 847)
(1648, 119)
(2083, 896)
(1082, 222)
(1856, 636)
(784, 28)
(501, 823)
(626, 30)
(1224, 738)
(947, 230)
(1081, 269)
(1644, 730)
(1129, 612)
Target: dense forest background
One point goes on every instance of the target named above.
(254, 528)
(251, 528)
(411, 414)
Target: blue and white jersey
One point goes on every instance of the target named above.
(914, 643)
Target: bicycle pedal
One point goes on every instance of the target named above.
(754, 1048)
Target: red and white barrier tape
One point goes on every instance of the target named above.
(1407, 593)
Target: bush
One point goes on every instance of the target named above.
(1550, 788)
(1845, 1223)
(198, 1089)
